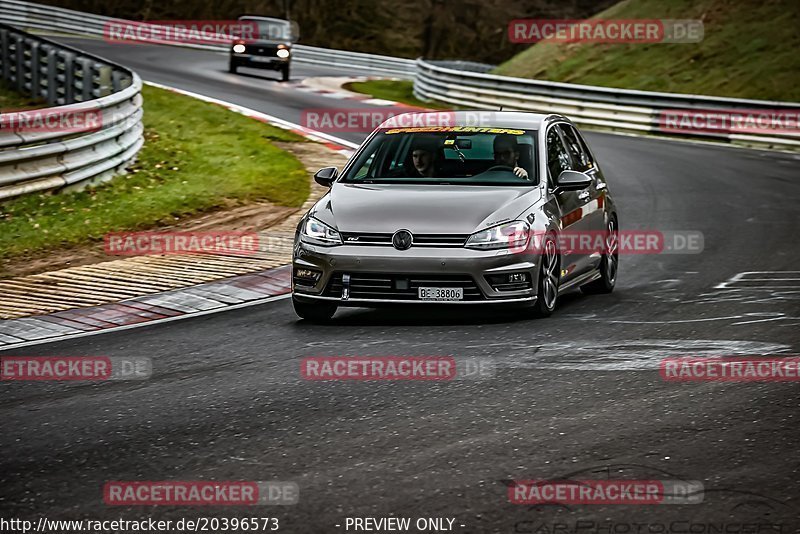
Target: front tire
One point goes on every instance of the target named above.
(549, 276)
(285, 73)
(232, 67)
(609, 264)
(316, 312)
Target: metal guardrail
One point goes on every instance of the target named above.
(639, 112)
(93, 132)
(27, 15)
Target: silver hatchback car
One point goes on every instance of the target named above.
(458, 214)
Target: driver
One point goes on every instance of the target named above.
(423, 155)
(506, 153)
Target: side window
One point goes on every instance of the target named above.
(557, 156)
(577, 148)
(364, 170)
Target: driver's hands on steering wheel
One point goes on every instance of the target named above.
(520, 172)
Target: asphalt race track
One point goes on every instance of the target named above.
(578, 394)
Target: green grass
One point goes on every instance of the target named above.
(11, 100)
(750, 50)
(197, 157)
(397, 90)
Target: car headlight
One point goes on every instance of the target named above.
(512, 235)
(283, 53)
(318, 233)
(239, 48)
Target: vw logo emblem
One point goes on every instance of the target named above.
(402, 239)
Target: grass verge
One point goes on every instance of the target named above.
(749, 50)
(198, 157)
(11, 100)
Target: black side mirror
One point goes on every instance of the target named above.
(572, 181)
(326, 176)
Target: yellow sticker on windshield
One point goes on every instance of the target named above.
(455, 129)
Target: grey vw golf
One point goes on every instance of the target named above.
(457, 214)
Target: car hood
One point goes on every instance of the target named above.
(422, 209)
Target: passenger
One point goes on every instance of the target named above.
(506, 153)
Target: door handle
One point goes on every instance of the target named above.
(583, 195)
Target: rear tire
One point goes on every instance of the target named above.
(609, 263)
(315, 312)
(549, 276)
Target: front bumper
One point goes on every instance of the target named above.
(260, 62)
(383, 275)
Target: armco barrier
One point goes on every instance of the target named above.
(37, 152)
(28, 15)
(469, 85)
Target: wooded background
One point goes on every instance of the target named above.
(439, 29)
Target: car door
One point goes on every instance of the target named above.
(592, 198)
(574, 262)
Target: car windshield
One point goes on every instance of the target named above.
(448, 155)
(275, 30)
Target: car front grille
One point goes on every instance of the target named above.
(420, 240)
(399, 286)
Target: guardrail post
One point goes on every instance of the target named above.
(35, 69)
(18, 79)
(86, 80)
(52, 71)
(69, 77)
(5, 55)
(104, 81)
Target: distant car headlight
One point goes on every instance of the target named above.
(508, 235)
(283, 53)
(318, 233)
(239, 48)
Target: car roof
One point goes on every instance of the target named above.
(489, 119)
(255, 17)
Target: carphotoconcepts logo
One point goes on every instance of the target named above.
(606, 30)
(623, 242)
(731, 369)
(642, 492)
(200, 493)
(75, 368)
(148, 243)
(180, 31)
(436, 368)
(722, 121)
(53, 120)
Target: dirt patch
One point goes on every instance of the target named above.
(254, 217)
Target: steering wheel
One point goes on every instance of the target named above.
(500, 168)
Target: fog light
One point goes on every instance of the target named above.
(515, 278)
(509, 281)
(307, 275)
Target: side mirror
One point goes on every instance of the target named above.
(326, 176)
(572, 181)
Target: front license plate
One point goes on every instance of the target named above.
(258, 59)
(441, 293)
